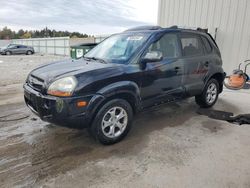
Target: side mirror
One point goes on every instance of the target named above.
(153, 56)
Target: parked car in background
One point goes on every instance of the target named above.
(80, 50)
(17, 49)
(126, 73)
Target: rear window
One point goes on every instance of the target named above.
(191, 45)
(207, 45)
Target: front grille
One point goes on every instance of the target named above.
(31, 104)
(35, 83)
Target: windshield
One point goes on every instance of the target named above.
(118, 48)
(10, 46)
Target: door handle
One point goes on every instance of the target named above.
(176, 69)
(206, 64)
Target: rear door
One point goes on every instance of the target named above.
(195, 62)
(22, 49)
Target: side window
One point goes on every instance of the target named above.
(207, 45)
(168, 45)
(191, 45)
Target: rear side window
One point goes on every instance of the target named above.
(207, 45)
(191, 45)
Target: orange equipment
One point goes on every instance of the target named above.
(238, 79)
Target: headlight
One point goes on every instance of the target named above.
(63, 87)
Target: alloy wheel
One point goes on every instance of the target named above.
(211, 93)
(114, 122)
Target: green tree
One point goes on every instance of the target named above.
(20, 32)
(6, 33)
(26, 35)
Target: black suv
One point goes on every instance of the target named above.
(124, 74)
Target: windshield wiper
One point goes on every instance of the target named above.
(96, 59)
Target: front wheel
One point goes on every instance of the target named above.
(112, 122)
(209, 95)
(8, 53)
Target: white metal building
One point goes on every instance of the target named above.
(227, 20)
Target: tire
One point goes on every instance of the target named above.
(209, 95)
(29, 52)
(8, 53)
(108, 114)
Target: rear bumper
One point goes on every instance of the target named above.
(58, 110)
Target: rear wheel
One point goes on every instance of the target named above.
(112, 122)
(209, 95)
(29, 52)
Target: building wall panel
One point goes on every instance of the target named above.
(230, 17)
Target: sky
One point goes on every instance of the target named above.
(85, 16)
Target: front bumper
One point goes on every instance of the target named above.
(61, 111)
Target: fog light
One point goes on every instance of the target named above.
(59, 105)
(81, 104)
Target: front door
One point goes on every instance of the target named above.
(162, 81)
(13, 49)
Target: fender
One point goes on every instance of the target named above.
(218, 72)
(121, 87)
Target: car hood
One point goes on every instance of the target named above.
(68, 67)
(2, 48)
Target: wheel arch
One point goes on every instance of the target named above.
(220, 78)
(10, 52)
(125, 90)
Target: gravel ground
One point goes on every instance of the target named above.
(14, 70)
(169, 146)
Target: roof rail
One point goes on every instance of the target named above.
(173, 27)
(202, 30)
(144, 28)
(205, 30)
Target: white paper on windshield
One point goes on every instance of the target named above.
(135, 38)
